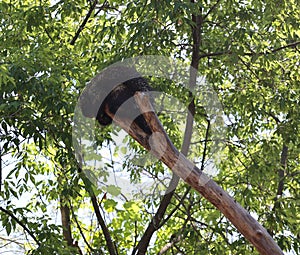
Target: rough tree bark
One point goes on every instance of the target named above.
(160, 145)
(66, 222)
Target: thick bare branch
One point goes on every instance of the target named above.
(180, 165)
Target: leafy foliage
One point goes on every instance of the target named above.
(249, 53)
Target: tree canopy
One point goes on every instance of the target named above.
(247, 51)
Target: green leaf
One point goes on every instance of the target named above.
(113, 190)
(110, 205)
(8, 228)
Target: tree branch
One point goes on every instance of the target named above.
(21, 224)
(177, 206)
(205, 145)
(191, 174)
(66, 222)
(155, 223)
(81, 27)
(281, 175)
(229, 52)
(0, 168)
(169, 245)
(88, 186)
(151, 135)
(211, 9)
(290, 45)
(79, 228)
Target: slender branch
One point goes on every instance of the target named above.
(205, 145)
(155, 224)
(290, 45)
(49, 36)
(211, 9)
(21, 224)
(79, 228)
(277, 120)
(249, 68)
(81, 27)
(220, 53)
(176, 207)
(214, 54)
(281, 177)
(178, 236)
(281, 174)
(0, 168)
(9, 241)
(88, 186)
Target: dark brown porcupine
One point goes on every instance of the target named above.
(112, 88)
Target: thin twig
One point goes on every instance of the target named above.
(205, 145)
